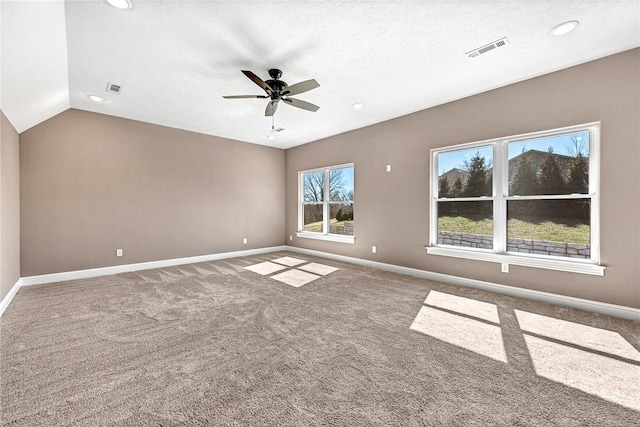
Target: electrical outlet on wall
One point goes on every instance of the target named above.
(374, 249)
(118, 252)
(388, 168)
(290, 236)
(244, 241)
(505, 267)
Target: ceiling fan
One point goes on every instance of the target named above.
(277, 91)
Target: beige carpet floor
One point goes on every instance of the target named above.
(218, 344)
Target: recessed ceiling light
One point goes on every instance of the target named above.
(121, 4)
(95, 98)
(564, 28)
(357, 106)
(271, 137)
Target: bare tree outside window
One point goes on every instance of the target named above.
(337, 183)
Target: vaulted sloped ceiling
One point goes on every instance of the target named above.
(34, 73)
(174, 60)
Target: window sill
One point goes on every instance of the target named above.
(327, 237)
(582, 267)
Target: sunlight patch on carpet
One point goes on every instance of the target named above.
(468, 306)
(265, 268)
(289, 261)
(319, 269)
(474, 335)
(578, 334)
(610, 379)
(295, 278)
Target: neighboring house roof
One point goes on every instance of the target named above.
(537, 157)
(454, 173)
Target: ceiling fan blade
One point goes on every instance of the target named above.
(301, 104)
(243, 96)
(272, 106)
(257, 80)
(301, 87)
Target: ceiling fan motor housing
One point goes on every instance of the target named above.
(277, 85)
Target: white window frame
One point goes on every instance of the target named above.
(500, 197)
(324, 235)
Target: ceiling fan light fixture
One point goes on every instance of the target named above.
(95, 98)
(564, 28)
(121, 4)
(358, 106)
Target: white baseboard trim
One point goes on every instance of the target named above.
(579, 303)
(9, 297)
(116, 269)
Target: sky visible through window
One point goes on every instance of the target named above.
(564, 144)
(347, 176)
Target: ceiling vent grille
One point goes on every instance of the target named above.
(487, 48)
(113, 88)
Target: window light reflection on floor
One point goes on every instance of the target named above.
(578, 334)
(481, 336)
(605, 377)
(588, 368)
(594, 360)
(468, 306)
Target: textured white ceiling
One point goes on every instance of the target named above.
(175, 59)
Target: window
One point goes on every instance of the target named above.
(527, 200)
(326, 204)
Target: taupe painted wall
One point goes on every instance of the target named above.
(91, 183)
(9, 206)
(392, 209)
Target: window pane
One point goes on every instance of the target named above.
(465, 173)
(556, 165)
(312, 218)
(341, 184)
(467, 224)
(313, 186)
(549, 227)
(341, 219)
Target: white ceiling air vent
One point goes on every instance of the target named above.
(487, 48)
(112, 88)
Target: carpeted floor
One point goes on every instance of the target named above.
(218, 344)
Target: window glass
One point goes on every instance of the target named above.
(468, 224)
(465, 173)
(338, 184)
(312, 214)
(313, 186)
(341, 184)
(558, 227)
(539, 198)
(341, 219)
(550, 166)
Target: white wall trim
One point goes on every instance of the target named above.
(579, 303)
(116, 269)
(327, 237)
(9, 297)
(526, 260)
